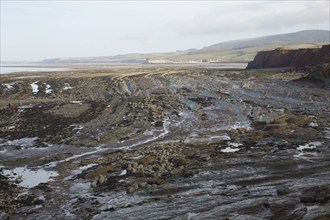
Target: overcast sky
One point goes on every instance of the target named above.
(35, 30)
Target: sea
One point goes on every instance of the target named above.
(17, 69)
(7, 69)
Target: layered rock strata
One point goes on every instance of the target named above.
(290, 58)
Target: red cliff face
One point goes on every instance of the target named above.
(290, 58)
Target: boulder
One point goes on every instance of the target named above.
(320, 194)
(150, 159)
(287, 208)
(180, 161)
(102, 170)
(156, 180)
(130, 189)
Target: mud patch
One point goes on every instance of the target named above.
(73, 109)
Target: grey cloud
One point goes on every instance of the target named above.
(271, 16)
(132, 37)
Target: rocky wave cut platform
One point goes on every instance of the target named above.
(164, 143)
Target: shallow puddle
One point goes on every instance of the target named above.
(29, 178)
(229, 150)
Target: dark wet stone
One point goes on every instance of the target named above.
(111, 209)
(282, 190)
(43, 186)
(308, 197)
(29, 200)
(139, 174)
(159, 124)
(179, 161)
(258, 125)
(187, 173)
(287, 209)
(156, 180)
(147, 160)
(320, 194)
(4, 215)
(130, 189)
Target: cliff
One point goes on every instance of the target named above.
(290, 58)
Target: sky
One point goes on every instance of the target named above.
(36, 30)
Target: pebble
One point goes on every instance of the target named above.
(4, 215)
(130, 189)
(94, 183)
(102, 179)
(143, 184)
(282, 190)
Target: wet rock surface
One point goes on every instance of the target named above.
(164, 143)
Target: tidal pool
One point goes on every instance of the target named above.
(29, 178)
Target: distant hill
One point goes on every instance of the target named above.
(302, 37)
(229, 51)
(245, 50)
(117, 59)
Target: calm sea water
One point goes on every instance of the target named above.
(15, 69)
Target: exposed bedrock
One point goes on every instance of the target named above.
(164, 143)
(290, 58)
